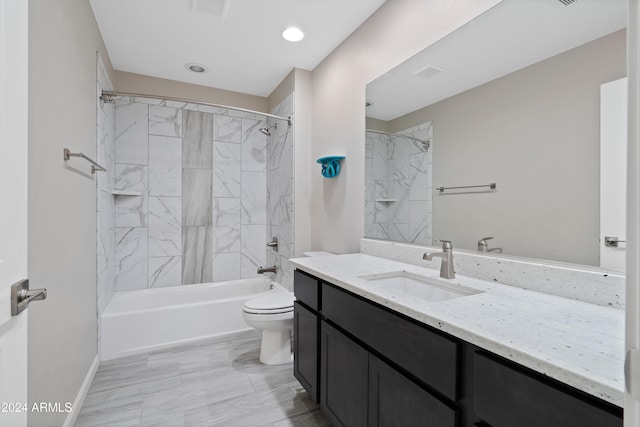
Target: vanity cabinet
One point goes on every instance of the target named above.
(306, 328)
(371, 366)
(510, 395)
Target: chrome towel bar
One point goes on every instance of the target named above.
(492, 186)
(94, 166)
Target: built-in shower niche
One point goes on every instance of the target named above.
(398, 183)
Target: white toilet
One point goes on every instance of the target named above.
(273, 314)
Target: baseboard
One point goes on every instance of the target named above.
(82, 393)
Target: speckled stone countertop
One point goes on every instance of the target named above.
(575, 342)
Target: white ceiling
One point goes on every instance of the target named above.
(508, 37)
(243, 50)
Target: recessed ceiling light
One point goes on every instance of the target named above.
(293, 34)
(196, 68)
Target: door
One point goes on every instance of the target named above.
(13, 208)
(305, 349)
(613, 174)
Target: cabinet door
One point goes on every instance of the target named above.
(344, 378)
(305, 349)
(394, 400)
(507, 395)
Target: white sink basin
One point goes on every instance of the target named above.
(416, 286)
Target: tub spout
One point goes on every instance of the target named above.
(262, 270)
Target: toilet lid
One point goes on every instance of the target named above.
(274, 301)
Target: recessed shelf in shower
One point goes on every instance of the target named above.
(126, 193)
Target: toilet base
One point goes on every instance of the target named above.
(275, 348)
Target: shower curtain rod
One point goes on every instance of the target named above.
(109, 96)
(426, 143)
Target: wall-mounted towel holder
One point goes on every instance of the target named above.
(94, 166)
(330, 166)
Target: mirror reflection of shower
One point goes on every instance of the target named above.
(267, 130)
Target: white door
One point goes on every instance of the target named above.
(613, 174)
(13, 208)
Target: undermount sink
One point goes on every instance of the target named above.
(416, 286)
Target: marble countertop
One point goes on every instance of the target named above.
(577, 343)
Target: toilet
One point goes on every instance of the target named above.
(273, 314)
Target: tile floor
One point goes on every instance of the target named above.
(217, 382)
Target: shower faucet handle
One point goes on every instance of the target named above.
(273, 244)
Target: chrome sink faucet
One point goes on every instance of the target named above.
(483, 246)
(446, 267)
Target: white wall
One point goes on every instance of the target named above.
(63, 40)
(394, 33)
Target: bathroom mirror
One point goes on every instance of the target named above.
(513, 99)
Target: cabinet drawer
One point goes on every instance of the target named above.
(430, 357)
(306, 289)
(508, 395)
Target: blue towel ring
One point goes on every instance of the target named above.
(330, 166)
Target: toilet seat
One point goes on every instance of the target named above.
(276, 303)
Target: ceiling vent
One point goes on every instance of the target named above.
(428, 71)
(217, 8)
(567, 2)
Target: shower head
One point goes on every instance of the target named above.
(267, 130)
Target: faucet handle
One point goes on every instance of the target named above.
(446, 244)
(485, 238)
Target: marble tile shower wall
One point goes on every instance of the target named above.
(105, 155)
(199, 178)
(280, 181)
(399, 190)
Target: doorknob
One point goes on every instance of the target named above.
(612, 241)
(21, 296)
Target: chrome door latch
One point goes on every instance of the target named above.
(21, 296)
(612, 241)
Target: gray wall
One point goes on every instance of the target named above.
(137, 83)
(396, 31)
(536, 133)
(63, 40)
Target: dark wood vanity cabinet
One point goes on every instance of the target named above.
(306, 328)
(369, 366)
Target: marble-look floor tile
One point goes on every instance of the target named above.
(165, 121)
(197, 140)
(211, 382)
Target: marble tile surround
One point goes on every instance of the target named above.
(105, 203)
(401, 169)
(280, 186)
(579, 282)
(202, 175)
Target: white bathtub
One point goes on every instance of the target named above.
(139, 321)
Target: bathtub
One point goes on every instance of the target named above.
(139, 321)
